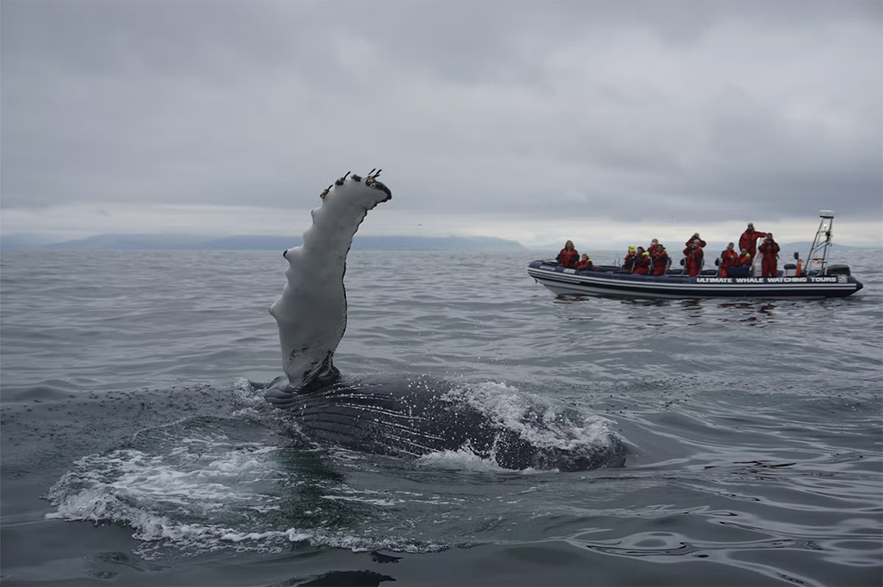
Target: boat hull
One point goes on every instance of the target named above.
(570, 282)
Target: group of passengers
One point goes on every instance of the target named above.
(655, 260)
(652, 261)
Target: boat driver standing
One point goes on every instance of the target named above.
(748, 240)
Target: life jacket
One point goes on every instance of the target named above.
(568, 258)
(694, 254)
(770, 249)
(660, 263)
(744, 259)
(629, 260)
(653, 250)
(585, 265)
(729, 258)
(748, 240)
(642, 264)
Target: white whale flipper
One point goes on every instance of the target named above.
(311, 312)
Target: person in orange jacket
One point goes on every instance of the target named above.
(660, 262)
(694, 255)
(568, 257)
(729, 258)
(770, 251)
(585, 264)
(748, 240)
(642, 262)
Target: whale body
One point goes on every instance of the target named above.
(396, 417)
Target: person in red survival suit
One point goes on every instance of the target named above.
(660, 262)
(729, 258)
(629, 261)
(694, 255)
(642, 262)
(568, 257)
(770, 251)
(744, 259)
(653, 248)
(585, 264)
(748, 240)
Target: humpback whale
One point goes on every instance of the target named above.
(400, 417)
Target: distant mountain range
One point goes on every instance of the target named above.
(787, 248)
(804, 247)
(184, 242)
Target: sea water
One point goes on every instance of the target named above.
(137, 450)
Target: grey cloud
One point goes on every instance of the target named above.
(501, 109)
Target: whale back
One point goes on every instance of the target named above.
(403, 418)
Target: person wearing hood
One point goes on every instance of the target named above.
(568, 257)
(729, 258)
(694, 255)
(653, 248)
(748, 240)
(660, 261)
(629, 261)
(770, 251)
(642, 262)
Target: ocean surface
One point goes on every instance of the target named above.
(137, 449)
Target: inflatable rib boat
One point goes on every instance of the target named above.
(818, 280)
(615, 282)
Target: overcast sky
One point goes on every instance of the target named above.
(597, 121)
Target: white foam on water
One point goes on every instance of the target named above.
(194, 479)
(542, 424)
(207, 492)
(461, 459)
(249, 401)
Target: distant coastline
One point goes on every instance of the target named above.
(787, 248)
(183, 242)
(190, 242)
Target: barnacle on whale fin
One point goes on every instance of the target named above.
(370, 181)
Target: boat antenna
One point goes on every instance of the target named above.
(817, 260)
